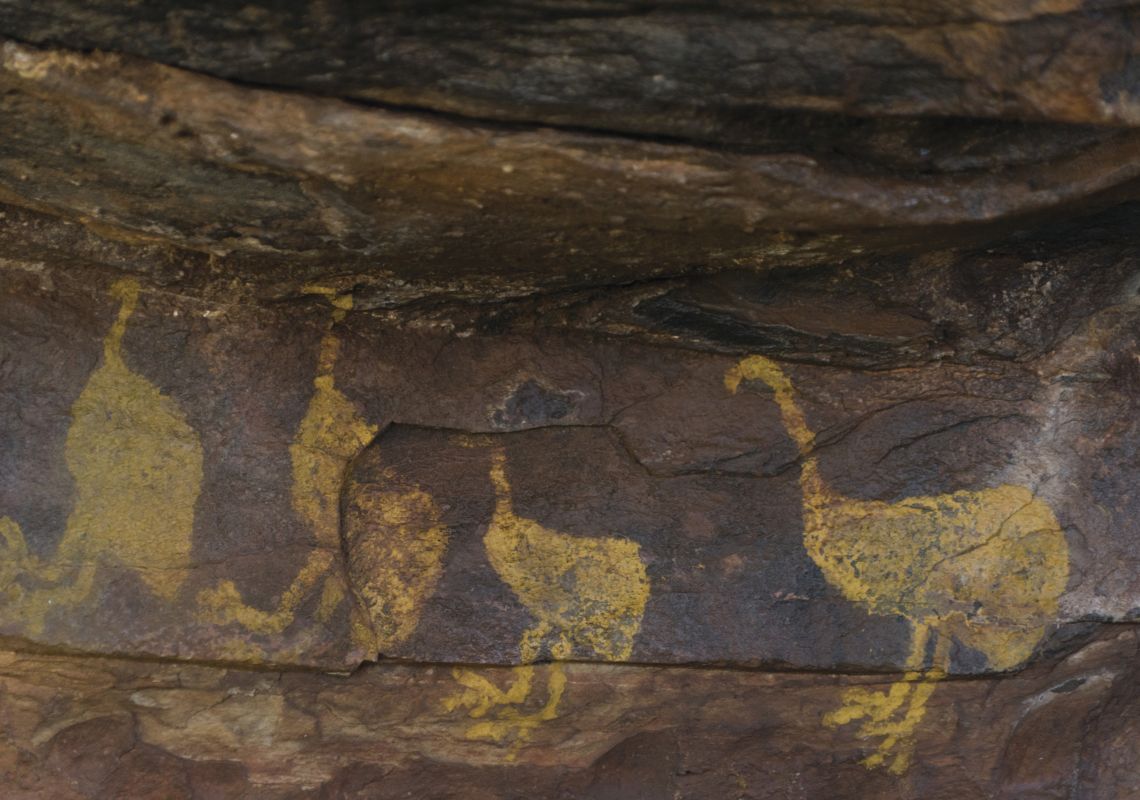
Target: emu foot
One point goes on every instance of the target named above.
(891, 716)
(501, 718)
(480, 695)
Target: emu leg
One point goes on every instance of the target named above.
(67, 586)
(482, 696)
(897, 747)
(224, 604)
(875, 706)
(556, 682)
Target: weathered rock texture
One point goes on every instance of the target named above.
(105, 728)
(672, 68)
(567, 400)
(281, 188)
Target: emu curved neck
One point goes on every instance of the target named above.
(330, 344)
(504, 508)
(761, 368)
(811, 484)
(127, 291)
(794, 421)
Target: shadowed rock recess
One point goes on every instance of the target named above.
(559, 399)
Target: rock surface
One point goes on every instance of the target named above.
(569, 400)
(1066, 727)
(245, 419)
(674, 69)
(282, 189)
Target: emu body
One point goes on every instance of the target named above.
(584, 592)
(981, 567)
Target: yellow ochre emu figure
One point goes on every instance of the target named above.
(330, 435)
(585, 592)
(984, 568)
(137, 466)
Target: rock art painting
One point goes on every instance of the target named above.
(582, 592)
(331, 433)
(137, 467)
(983, 568)
(395, 540)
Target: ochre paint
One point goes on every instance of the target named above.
(137, 468)
(584, 593)
(331, 433)
(983, 567)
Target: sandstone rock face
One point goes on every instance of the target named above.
(107, 728)
(609, 403)
(669, 69)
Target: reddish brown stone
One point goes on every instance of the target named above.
(565, 401)
(673, 69)
(623, 732)
(285, 189)
(602, 438)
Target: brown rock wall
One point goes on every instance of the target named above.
(123, 728)
(284, 189)
(569, 400)
(706, 71)
(304, 417)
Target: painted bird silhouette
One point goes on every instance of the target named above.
(330, 435)
(983, 568)
(137, 466)
(584, 592)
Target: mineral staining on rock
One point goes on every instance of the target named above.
(331, 433)
(982, 567)
(137, 466)
(585, 592)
